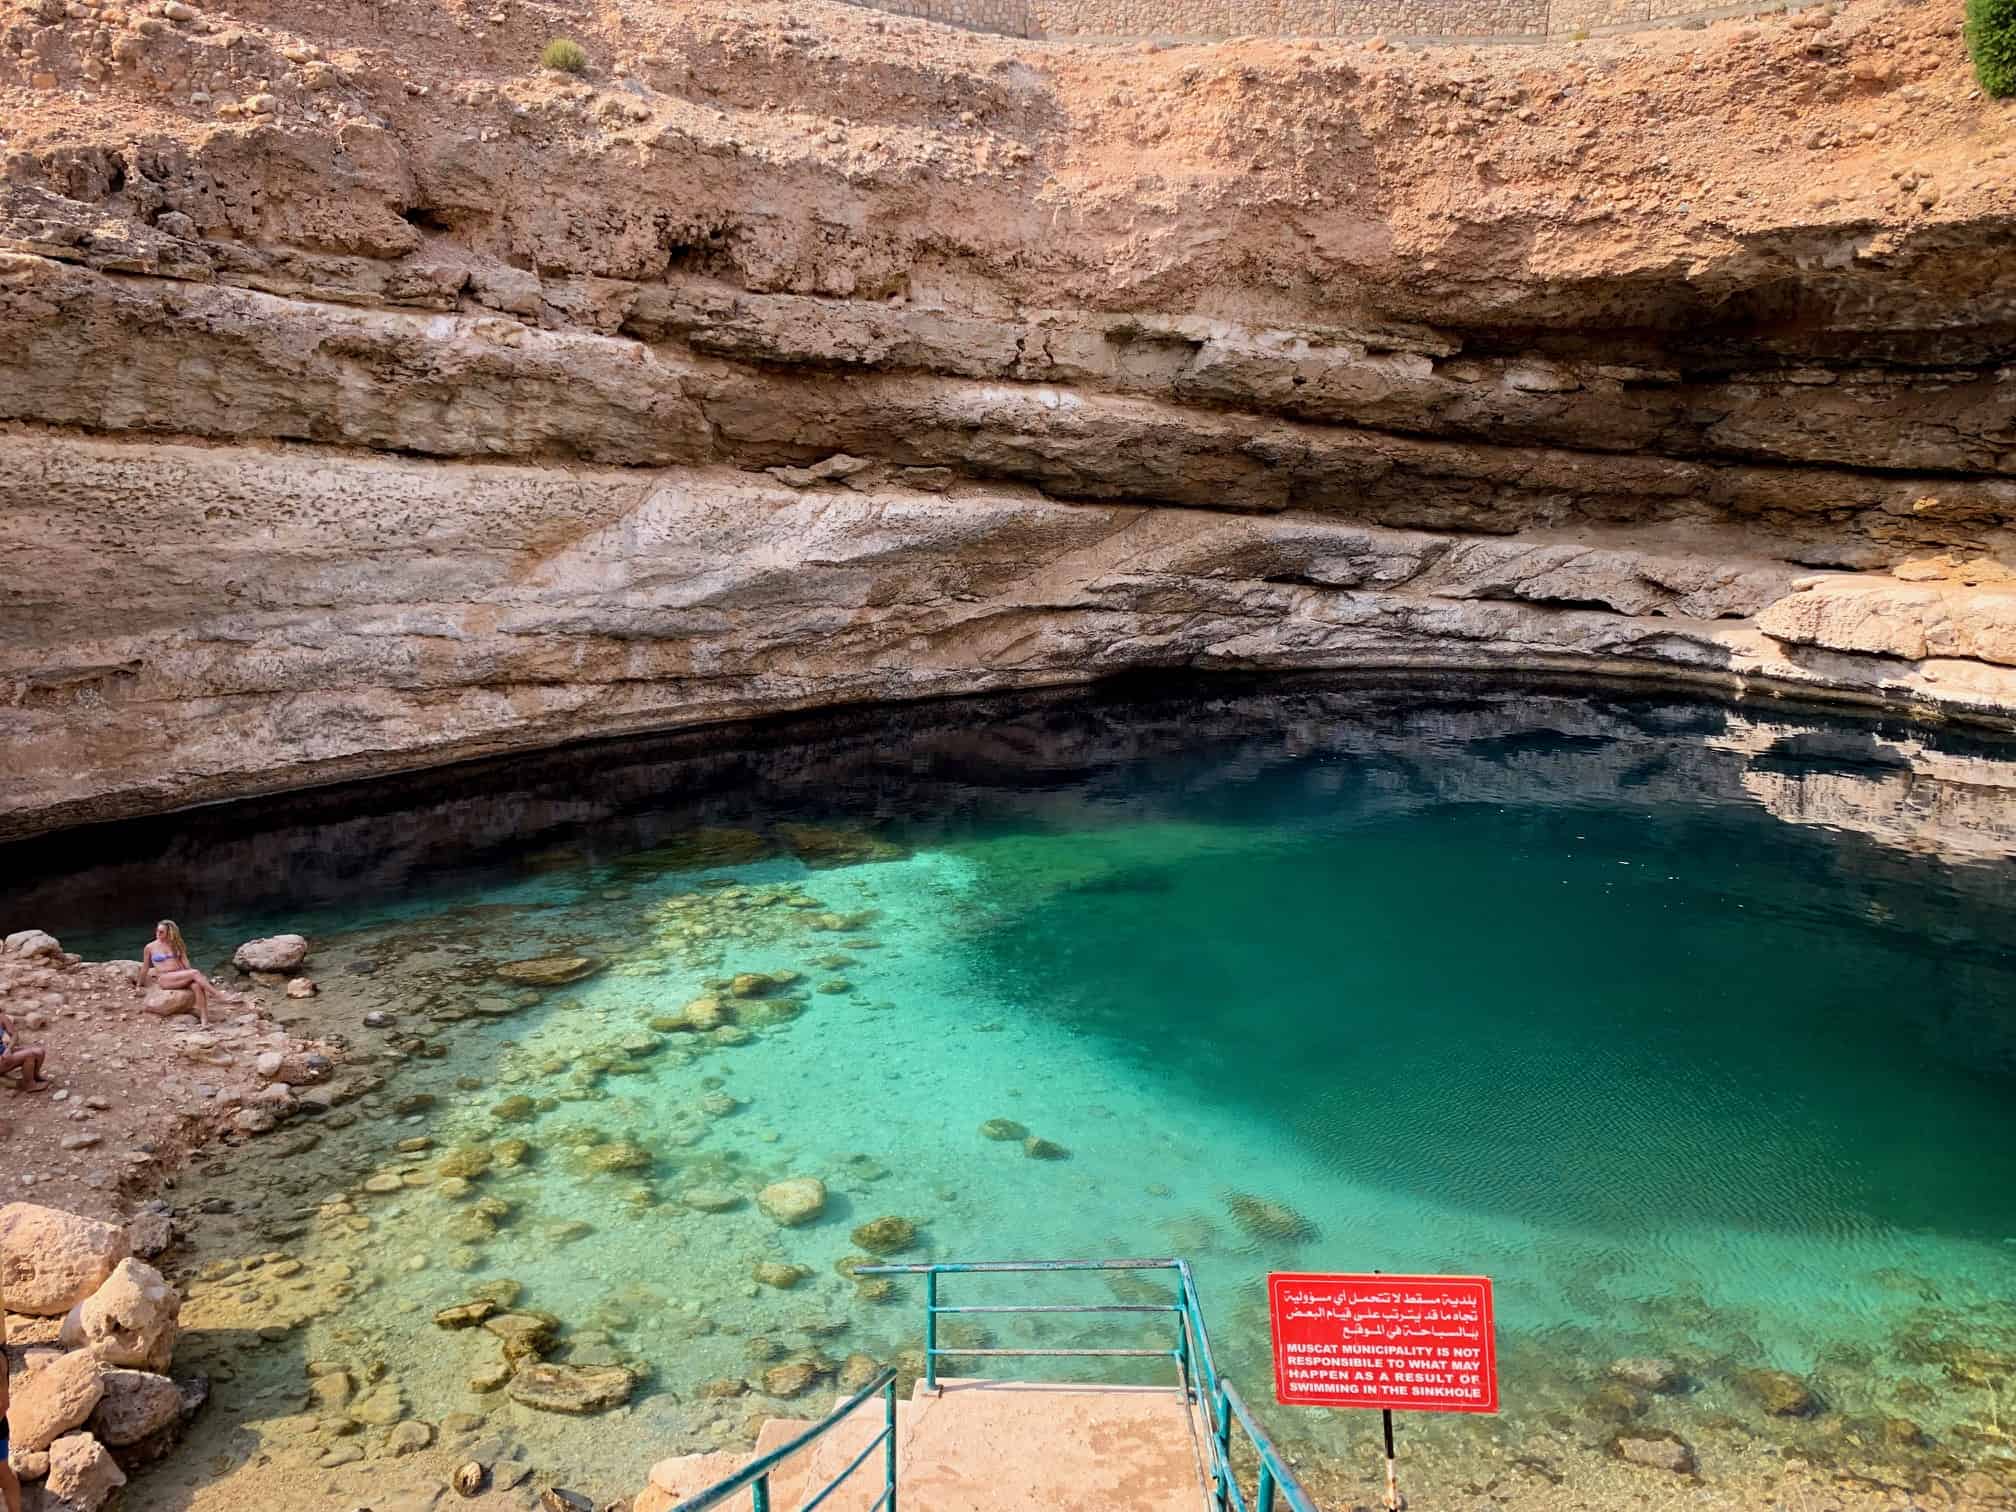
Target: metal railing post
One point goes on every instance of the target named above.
(1222, 1428)
(1183, 1354)
(1263, 1496)
(889, 1444)
(930, 1333)
(760, 1493)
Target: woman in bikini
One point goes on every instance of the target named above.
(166, 959)
(14, 1056)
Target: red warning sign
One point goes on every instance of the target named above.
(1411, 1343)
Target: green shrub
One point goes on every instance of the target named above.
(563, 55)
(1991, 38)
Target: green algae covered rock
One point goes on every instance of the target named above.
(886, 1236)
(1003, 1129)
(517, 1108)
(775, 1273)
(511, 1153)
(1044, 1149)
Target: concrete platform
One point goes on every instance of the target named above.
(986, 1446)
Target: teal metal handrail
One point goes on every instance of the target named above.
(756, 1474)
(1192, 1350)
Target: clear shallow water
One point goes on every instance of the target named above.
(1692, 1029)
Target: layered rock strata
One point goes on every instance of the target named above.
(418, 406)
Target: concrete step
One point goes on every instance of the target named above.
(806, 1474)
(673, 1480)
(1000, 1446)
(984, 1446)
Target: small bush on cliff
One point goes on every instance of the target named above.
(1991, 38)
(565, 56)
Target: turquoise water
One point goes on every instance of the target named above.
(1696, 1031)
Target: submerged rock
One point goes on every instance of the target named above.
(776, 1274)
(886, 1236)
(1650, 1374)
(789, 1380)
(1656, 1449)
(1003, 1129)
(465, 1314)
(549, 971)
(1044, 1149)
(515, 1109)
(1270, 1222)
(466, 1163)
(821, 846)
(705, 1199)
(794, 1201)
(621, 1156)
(576, 1389)
(1616, 1402)
(524, 1335)
(856, 1371)
(1778, 1392)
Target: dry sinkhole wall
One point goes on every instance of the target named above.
(366, 405)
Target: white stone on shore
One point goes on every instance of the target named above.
(275, 953)
(82, 1474)
(51, 1260)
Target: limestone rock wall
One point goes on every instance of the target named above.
(412, 406)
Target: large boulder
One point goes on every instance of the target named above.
(32, 943)
(136, 1403)
(49, 1402)
(51, 1260)
(82, 1475)
(130, 1320)
(168, 1002)
(795, 1200)
(275, 953)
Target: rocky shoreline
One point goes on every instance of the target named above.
(138, 1089)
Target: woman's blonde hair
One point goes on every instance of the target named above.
(174, 937)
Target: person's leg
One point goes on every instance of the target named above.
(10, 1488)
(29, 1064)
(192, 982)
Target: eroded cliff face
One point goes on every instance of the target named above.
(369, 399)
